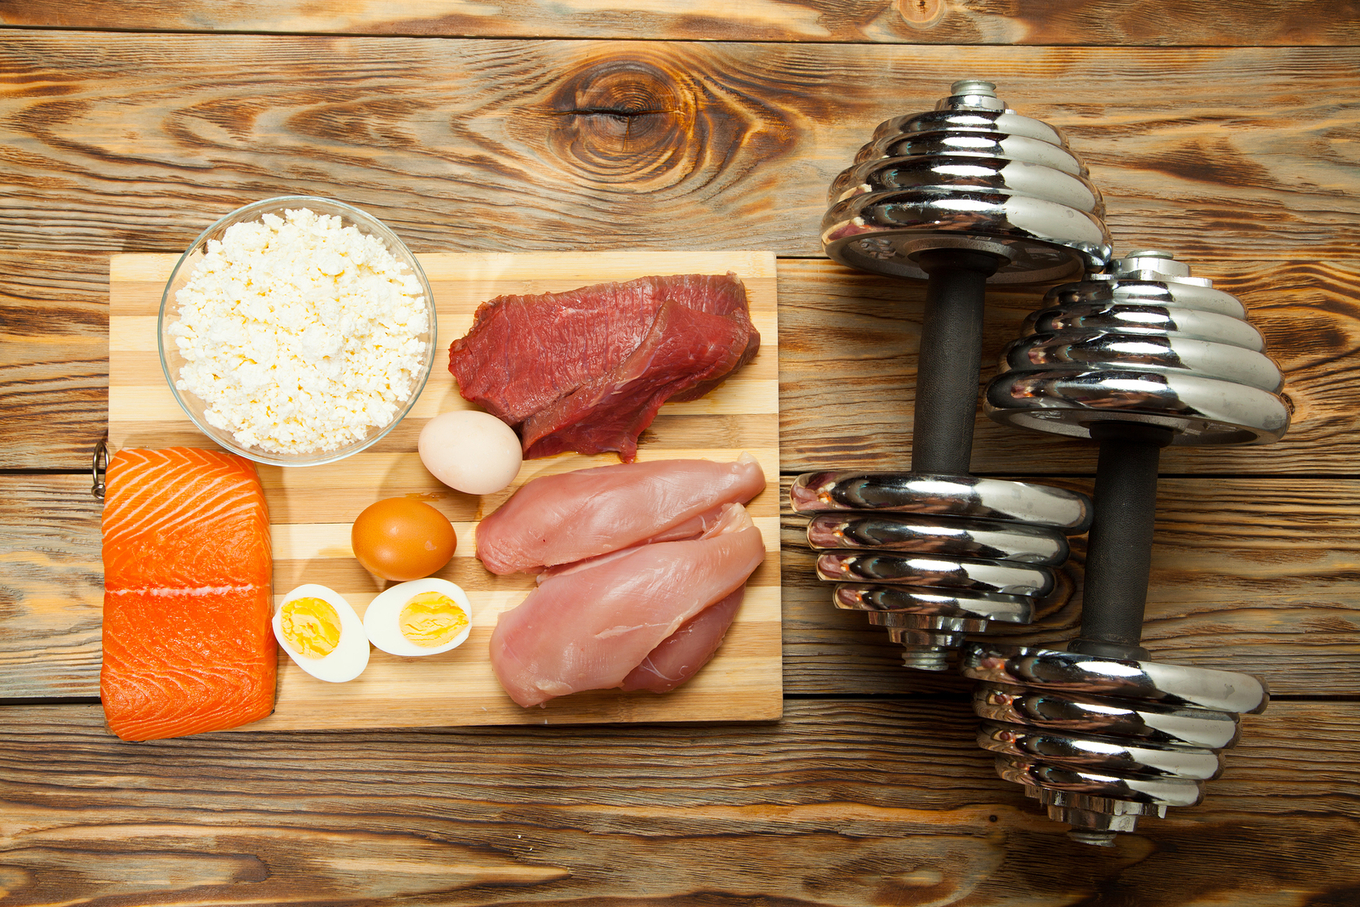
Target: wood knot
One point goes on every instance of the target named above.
(922, 14)
(627, 119)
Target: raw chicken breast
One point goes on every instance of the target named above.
(560, 519)
(684, 652)
(589, 628)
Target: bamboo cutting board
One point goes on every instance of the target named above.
(311, 508)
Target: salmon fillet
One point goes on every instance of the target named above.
(187, 641)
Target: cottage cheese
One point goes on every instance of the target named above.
(300, 335)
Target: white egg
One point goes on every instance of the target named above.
(439, 618)
(471, 451)
(322, 633)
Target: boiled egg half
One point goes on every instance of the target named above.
(422, 617)
(322, 633)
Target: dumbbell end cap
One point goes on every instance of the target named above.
(926, 658)
(1092, 837)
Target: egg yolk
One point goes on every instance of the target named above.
(431, 619)
(311, 626)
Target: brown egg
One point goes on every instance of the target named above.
(402, 539)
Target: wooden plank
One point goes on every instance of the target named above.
(311, 508)
(1250, 575)
(51, 607)
(841, 803)
(54, 330)
(528, 145)
(1081, 22)
(1240, 581)
(852, 340)
(847, 368)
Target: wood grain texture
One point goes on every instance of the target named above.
(52, 591)
(1247, 575)
(1080, 22)
(1254, 575)
(848, 344)
(848, 348)
(518, 145)
(54, 330)
(844, 804)
(1211, 128)
(852, 341)
(311, 508)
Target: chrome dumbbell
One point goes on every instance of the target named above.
(964, 195)
(1137, 359)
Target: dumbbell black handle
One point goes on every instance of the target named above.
(949, 360)
(1119, 548)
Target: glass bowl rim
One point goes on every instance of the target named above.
(359, 217)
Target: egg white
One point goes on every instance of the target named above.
(350, 655)
(382, 620)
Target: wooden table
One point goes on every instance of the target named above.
(1226, 132)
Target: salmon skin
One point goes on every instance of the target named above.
(188, 646)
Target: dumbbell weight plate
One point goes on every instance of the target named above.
(1175, 685)
(1198, 410)
(938, 573)
(981, 115)
(940, 536)
(970, 175)
(962, 143)
(1144, 319)
(1105, 756)
(1148, 288)
(1094, 350)
(957, 496)
(1099, 786)
(1059, 710)
(956, 172)
(904, 602)
(1041, 241)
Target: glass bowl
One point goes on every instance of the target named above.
(172, 360)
